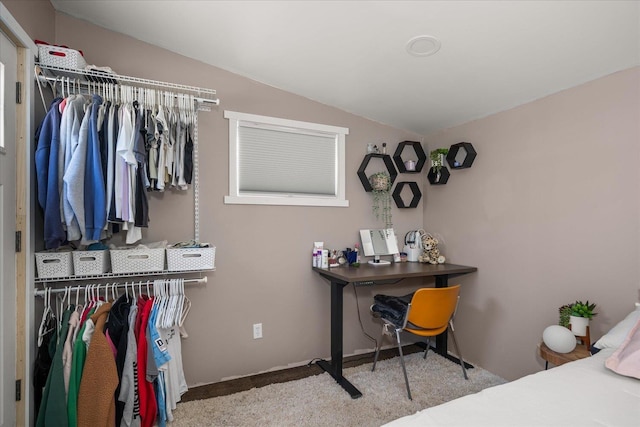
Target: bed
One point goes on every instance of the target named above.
(601, 390)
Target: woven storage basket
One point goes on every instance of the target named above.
(137, 260)
(90, 262)
(182, 259)
(54, 264)
(60, 57)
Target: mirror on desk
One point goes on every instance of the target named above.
(377, 243)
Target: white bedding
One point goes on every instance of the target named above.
(580, 393)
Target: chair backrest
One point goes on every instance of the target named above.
(431, 308)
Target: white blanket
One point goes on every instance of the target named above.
(581, 393)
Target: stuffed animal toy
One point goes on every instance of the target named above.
(430, 252)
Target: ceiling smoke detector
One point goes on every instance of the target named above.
(423, 46)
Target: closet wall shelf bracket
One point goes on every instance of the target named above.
(116, 275)
(85, 77)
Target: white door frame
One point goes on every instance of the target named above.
(27, 51)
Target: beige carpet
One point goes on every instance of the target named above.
(320, 401)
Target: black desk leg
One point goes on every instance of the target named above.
(335, 367)
(442, 339)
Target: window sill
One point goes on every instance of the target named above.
(285, 201)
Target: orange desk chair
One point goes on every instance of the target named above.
(429, 313)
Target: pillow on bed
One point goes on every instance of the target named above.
(618, 333)
(626, 359)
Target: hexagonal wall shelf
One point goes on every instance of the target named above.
(438, 178)
(417, 148)
(362, 174)
(461, 155)
(397, 194)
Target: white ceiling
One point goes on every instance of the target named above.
(351, 54)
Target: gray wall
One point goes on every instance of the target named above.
(549, 213)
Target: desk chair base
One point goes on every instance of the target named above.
(385, 329)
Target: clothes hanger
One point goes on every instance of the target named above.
(46, 314)
(173, 300)
(158, 300)
(79, 307)
(177, 309)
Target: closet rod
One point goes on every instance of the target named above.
(41, 292)
(102, 77)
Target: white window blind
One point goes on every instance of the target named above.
(278, 161)
(285, 162)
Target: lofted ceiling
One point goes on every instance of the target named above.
(494, 55)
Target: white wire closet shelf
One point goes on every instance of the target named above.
(55, 73)
(41, 292)
(114, 275)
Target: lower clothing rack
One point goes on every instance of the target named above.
(42, 292)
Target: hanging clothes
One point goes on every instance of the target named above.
(97, 157)
(52, 411)
(44, 358)
(96, 400)
(114, 363)
(46, 159)
(148, 407)
(117, 329)
(94, 186)
(77, 367)
(129, 387)
(70, 135)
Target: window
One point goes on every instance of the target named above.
(285, 162)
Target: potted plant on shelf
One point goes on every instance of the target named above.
(381, 184)
(581, 314)
(437, 157)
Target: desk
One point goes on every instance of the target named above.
(368, 275)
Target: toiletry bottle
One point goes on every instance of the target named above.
(384, 148)
(357, 251)
(325, 258)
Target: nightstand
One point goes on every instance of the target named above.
(580, 352)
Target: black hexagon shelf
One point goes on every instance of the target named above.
(362, 174)
(397, 194)
(461, 155)
(417, 147)
(434, 179)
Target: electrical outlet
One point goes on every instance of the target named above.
(257, 331)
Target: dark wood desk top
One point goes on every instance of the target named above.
(395, 271)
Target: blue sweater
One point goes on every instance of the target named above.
(46, 159)
(95, 199)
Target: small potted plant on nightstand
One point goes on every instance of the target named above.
(581, 314)
(565, 314)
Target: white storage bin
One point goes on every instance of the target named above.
(54, 264)
(90, 262)
(137, 260)
(60, 57)
(182, 259)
